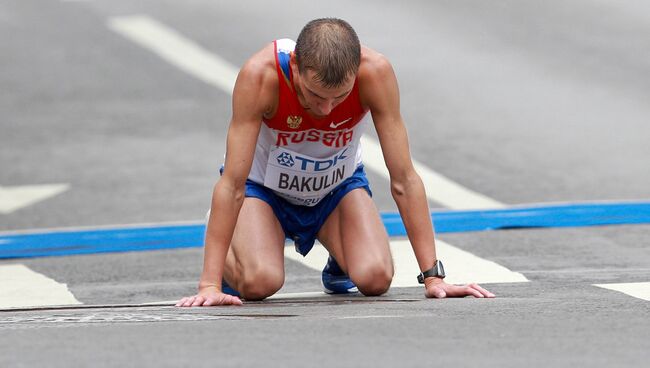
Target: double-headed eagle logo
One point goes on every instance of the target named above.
(293, 121)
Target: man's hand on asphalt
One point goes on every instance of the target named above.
(437, 288)
(207, 297)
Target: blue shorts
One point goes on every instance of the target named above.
(302, 223)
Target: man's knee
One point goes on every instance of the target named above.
(372, 280)
(260, 284)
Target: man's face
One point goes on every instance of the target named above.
(316, 98)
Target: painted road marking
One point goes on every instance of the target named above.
(177, 50)
(140, 237)
(22, 287)
(463, 267)
(639, 290)
(17, 197)
(212, 69)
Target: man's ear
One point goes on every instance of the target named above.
(293, 61)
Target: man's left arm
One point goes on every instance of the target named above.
(380, 92)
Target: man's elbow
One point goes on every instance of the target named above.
(404, 185)
(234, 189)
(397, 189)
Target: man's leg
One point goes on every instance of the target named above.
(355, 235)
(255, 260)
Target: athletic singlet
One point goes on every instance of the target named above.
(302, 158)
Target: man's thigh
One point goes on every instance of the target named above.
(257, 246)
(355, 235)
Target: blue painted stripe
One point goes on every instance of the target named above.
(542, 216)
(60, 243)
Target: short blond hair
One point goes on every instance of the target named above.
(330, 47)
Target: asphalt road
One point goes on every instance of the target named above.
(524, 102)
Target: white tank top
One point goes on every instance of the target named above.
(302, 158)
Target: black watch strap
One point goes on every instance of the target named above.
(437, 270)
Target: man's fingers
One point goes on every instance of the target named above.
(223, 299)
(233, 300)
(181, 302)
(189, 301)
(209, 301)
(471, 291)
(460, 291)
(202, 301)
(446, 290)
(212, 301)
(186, 302)
(485, 293)
(198, 300)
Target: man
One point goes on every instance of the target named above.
(293, 169)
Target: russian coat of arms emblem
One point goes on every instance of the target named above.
(293, 121)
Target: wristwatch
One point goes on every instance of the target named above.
(437, 270)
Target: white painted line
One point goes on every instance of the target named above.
(462, 267)
(214, 70)
(17, 197)
(639, 290)
(22, 287)
(177, 50)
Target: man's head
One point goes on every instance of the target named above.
(328, 54)
(330, 48)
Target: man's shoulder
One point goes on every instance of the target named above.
(374, 66)
(373, 63)
(376, 79)
(260, 68)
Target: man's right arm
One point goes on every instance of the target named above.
(252, 98)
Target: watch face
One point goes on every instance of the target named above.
(441, 269)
